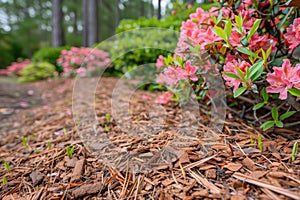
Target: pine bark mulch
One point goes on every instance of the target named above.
(34, 140)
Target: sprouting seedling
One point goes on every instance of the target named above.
(49, 145)
(25, 142)
(252, 141)
(294, 151)
(107, 116)
(65, 131)
(4, 181)
(260, 143)
(277, 120)
(6, 165)
(106, 128)
(70, 150)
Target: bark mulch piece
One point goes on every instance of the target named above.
(34, 140)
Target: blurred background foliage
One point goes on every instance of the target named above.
(26, 28)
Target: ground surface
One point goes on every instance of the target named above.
(40, 169)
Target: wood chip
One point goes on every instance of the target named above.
(77, 171)
(247, 162)
(279, 190)
(36, 177)
(85, 190)
(233, 166)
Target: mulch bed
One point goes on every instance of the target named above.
(233, 168)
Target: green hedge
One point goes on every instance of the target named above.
(37, 71)
(50, 55)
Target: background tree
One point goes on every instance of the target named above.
(58, 36)
(159, 10)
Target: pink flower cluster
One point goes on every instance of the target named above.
(293, 35)
(283, 78)
(172, 74)
(231, 67)
(15, 67)
(81, 61)
(203, 31)
(165, 98)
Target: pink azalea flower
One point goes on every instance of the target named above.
(257, 42)
(198, 16)
(235, 39)
(165, 98)
(230, 67)
(30, 92)
(293, 35)
(283, 78)
(160, 61)
(190, 71)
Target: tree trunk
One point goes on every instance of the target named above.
(159, 10)
(117, 13)
(92, 22)
(191, 1)
(58, 38)
(85, 20)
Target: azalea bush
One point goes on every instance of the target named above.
(15, 67)
(82, 61)
(254, 45)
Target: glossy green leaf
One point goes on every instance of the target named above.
(264, 94)
(247, 51)
(256, 70)
(232, 75)
(287, 115)
(253, 29)
(228, 29)
(239, 91)
(220, 32)
(294, 92)
(275, 114)
(258, 106)
(267, 125)
(279, 124)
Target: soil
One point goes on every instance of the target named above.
(134, 156)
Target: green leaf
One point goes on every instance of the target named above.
(294, 151)
(279, 124)
(241, 73)
(220, 32)
(294, 92)
(239, 91)
(260, 143)
(244, 41)
(254, 28)
(269, 51)
(232, 75)
(275, 114)
(256, 70)
(286, 115)
(239, 21)
(4, 180)
(247, 51)
(6, 165)
(267, 125)
(258, 106)
(228, 29)
(286, 16)
(264, 94)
